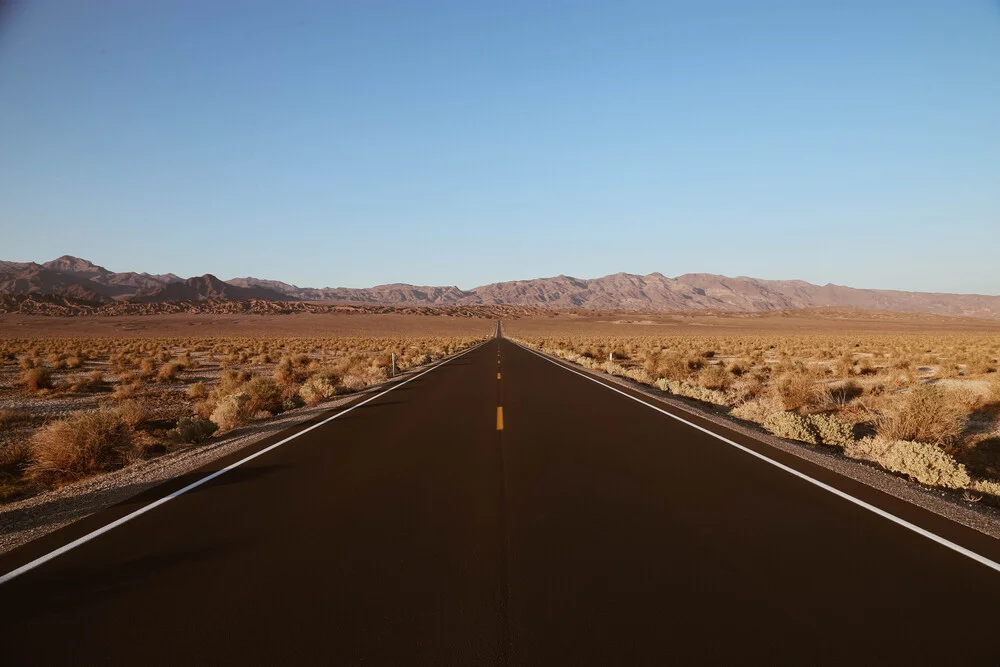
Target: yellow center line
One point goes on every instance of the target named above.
(498, 376)
(499, 417)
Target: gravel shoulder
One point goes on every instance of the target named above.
(947, 504)
(25, 520)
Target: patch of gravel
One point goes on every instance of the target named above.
(30, 518)
(950, 505)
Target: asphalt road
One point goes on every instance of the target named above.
(590, 530)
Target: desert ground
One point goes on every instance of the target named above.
(293, 325)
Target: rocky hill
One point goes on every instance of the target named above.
(204, 288)
(82, 280)
(77, 278)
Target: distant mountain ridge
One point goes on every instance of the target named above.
(206, 287)
(80, 279)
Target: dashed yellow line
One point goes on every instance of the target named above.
(499, 417)
(498, 376)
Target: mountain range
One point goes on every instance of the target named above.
(80, 279)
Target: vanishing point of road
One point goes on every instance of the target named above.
(503, 509)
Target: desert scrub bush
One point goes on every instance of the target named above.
(757, 410)
(988, 487)
(980, 364)
(738, 368)
(92, 382)
(669, 366)
(11, 417)
(637, 374)
(194, 430)
(168, 372)
(231, 411)
(82, 444)
(230, 381)
(793, 426)
(923, 462)
(147, 367)
(264, 395)
(747, 388)
(197, 391)
(123, 391)
(318, 388)
(715, 376)
(696, 392)
(796, 390)
(845, 392)
(831, 430)
(947, 369)
(15, 456)
(927, 413)
(814, 429)
(36, 379)
(354, 382)
(866, 367)
(134, 412)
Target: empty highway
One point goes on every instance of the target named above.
(502, 509)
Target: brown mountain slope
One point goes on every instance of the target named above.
(37, 279)
(207, 287)
(273, 285)
(115, 285)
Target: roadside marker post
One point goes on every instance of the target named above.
(393, 364)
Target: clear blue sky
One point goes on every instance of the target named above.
(357, 143)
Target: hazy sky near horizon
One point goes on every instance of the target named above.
(355, 143)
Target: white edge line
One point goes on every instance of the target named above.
(41, 560)
(846, 496)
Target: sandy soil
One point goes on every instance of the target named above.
(825, 321)
(299, 324)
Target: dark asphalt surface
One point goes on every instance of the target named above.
(591, 530)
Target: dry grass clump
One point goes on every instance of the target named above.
(82, 444)
(125, 390)
(15, 456)
(796, 390)
(927, 413)
(11, 417)
(89, 383)
(36, 379)
(715, 376)
(135, 413)
(168, 372)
